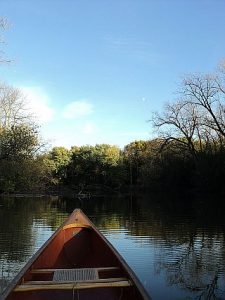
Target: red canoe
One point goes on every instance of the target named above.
(77, 262)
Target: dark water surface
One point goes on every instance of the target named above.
(177, 251)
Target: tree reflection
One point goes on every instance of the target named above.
(193, 256)
(20, 219)
(187, 265)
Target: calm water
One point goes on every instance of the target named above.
(177, 251)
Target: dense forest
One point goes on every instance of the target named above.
(188, 153)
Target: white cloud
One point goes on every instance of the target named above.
(77, 109)
(38, 103)
(69, 134)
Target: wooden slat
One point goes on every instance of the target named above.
(42, 282)
(76, 225)
(71, 286)
(107, 268)
(42, 271)
(46, 271)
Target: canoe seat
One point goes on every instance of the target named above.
(29, 286)
(64, 279)
(75, 274)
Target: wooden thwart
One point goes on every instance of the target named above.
(71, 286)
(48, 271)
(42, 282)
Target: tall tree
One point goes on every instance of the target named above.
(196, 120)
(59, 159)
(208, 93)
(3, 26)
(179, 122)
(13, 107)
(19, 142)
(93, 164)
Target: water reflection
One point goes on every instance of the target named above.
(25, 223)
(176, 250)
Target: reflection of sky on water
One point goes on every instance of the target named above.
(41, 232)
(140, 253)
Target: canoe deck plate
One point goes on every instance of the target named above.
(75, 274)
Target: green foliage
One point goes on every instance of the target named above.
(23, 175)
(21, 169)
(18, 142)
(58, 159)
(94, 165)
(138, 156)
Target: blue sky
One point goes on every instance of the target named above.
(94, 70)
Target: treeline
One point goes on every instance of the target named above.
(189, 151)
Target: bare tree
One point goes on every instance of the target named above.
(196, 121)
(179, 122)
(13, 108)
(207, 92)
(3, 26)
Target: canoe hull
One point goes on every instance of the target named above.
(77, 245)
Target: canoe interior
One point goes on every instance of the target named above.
(75, 247)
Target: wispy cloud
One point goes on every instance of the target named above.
(133, 48)
(89, 128)
(38, 103)
(77, 109)
(136, 134)
(117, 43)
(76, 133)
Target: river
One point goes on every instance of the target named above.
(175, 245)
